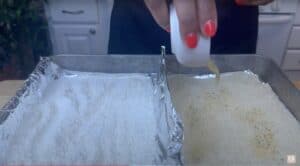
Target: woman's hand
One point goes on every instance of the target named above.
(253, 2)
(194, 16)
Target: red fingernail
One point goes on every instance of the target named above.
(210, 28)
(191, 40)
(239, 2)
(168, 29)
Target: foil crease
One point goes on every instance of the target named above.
(175, 123)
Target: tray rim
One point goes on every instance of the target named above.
(14, 101)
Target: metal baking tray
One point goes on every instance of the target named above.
(263, 67)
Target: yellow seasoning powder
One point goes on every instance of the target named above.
(212, 66)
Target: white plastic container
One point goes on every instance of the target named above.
(196, 57)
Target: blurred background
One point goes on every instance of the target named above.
(24, 37)
(30, 29)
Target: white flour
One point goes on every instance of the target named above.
(91, 119)
(238, 121)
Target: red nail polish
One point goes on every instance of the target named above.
(191, 40)
(210, 28)
(239, 2)
(168, 29)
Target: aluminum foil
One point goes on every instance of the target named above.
(167, 118)
(48, 70)
(31, 86)
(174, 120)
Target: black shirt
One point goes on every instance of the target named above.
(134, 31)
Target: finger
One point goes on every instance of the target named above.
(160, 12)
(253, 2)
(207, 14)
(188, 24)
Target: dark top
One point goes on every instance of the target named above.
(134, 31)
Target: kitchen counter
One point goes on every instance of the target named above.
(297, 83)
(9, 88)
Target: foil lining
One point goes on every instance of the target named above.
(30, 86)
(173, 118)
(47, 70)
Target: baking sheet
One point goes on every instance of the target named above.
(70, 117)
(265, 69)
